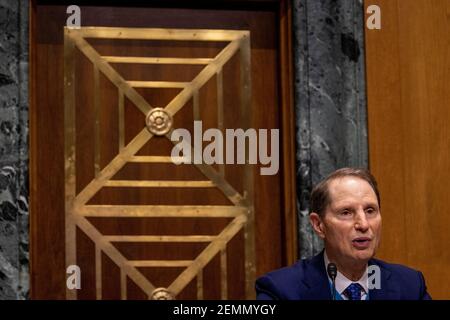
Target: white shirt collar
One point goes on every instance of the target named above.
(343, 282)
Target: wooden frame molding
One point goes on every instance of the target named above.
(288, 134)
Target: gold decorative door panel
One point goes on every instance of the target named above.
(137, 224)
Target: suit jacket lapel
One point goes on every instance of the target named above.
(387, 291)
(316, 279)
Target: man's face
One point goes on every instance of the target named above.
(351, 225)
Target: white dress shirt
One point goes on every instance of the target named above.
(343, 282)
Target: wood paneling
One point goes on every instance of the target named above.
(408, 91)
(289, 221)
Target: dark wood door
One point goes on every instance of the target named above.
(105, 193)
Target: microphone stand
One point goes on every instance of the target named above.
(332, 272)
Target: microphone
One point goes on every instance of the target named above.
(332, 272)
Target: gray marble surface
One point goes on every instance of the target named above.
(329, 98)
(14, 260)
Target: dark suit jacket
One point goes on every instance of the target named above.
(307, 280)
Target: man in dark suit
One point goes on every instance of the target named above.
(345, 213)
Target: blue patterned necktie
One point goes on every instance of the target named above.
(353, 291)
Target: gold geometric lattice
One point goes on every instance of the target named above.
(76, 208)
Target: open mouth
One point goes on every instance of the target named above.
(361, 242)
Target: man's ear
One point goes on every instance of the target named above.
(317, 224)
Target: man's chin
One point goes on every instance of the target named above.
(364, 255)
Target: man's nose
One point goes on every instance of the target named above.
(361, 222)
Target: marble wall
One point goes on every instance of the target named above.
(329, 98)
(14, 277)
